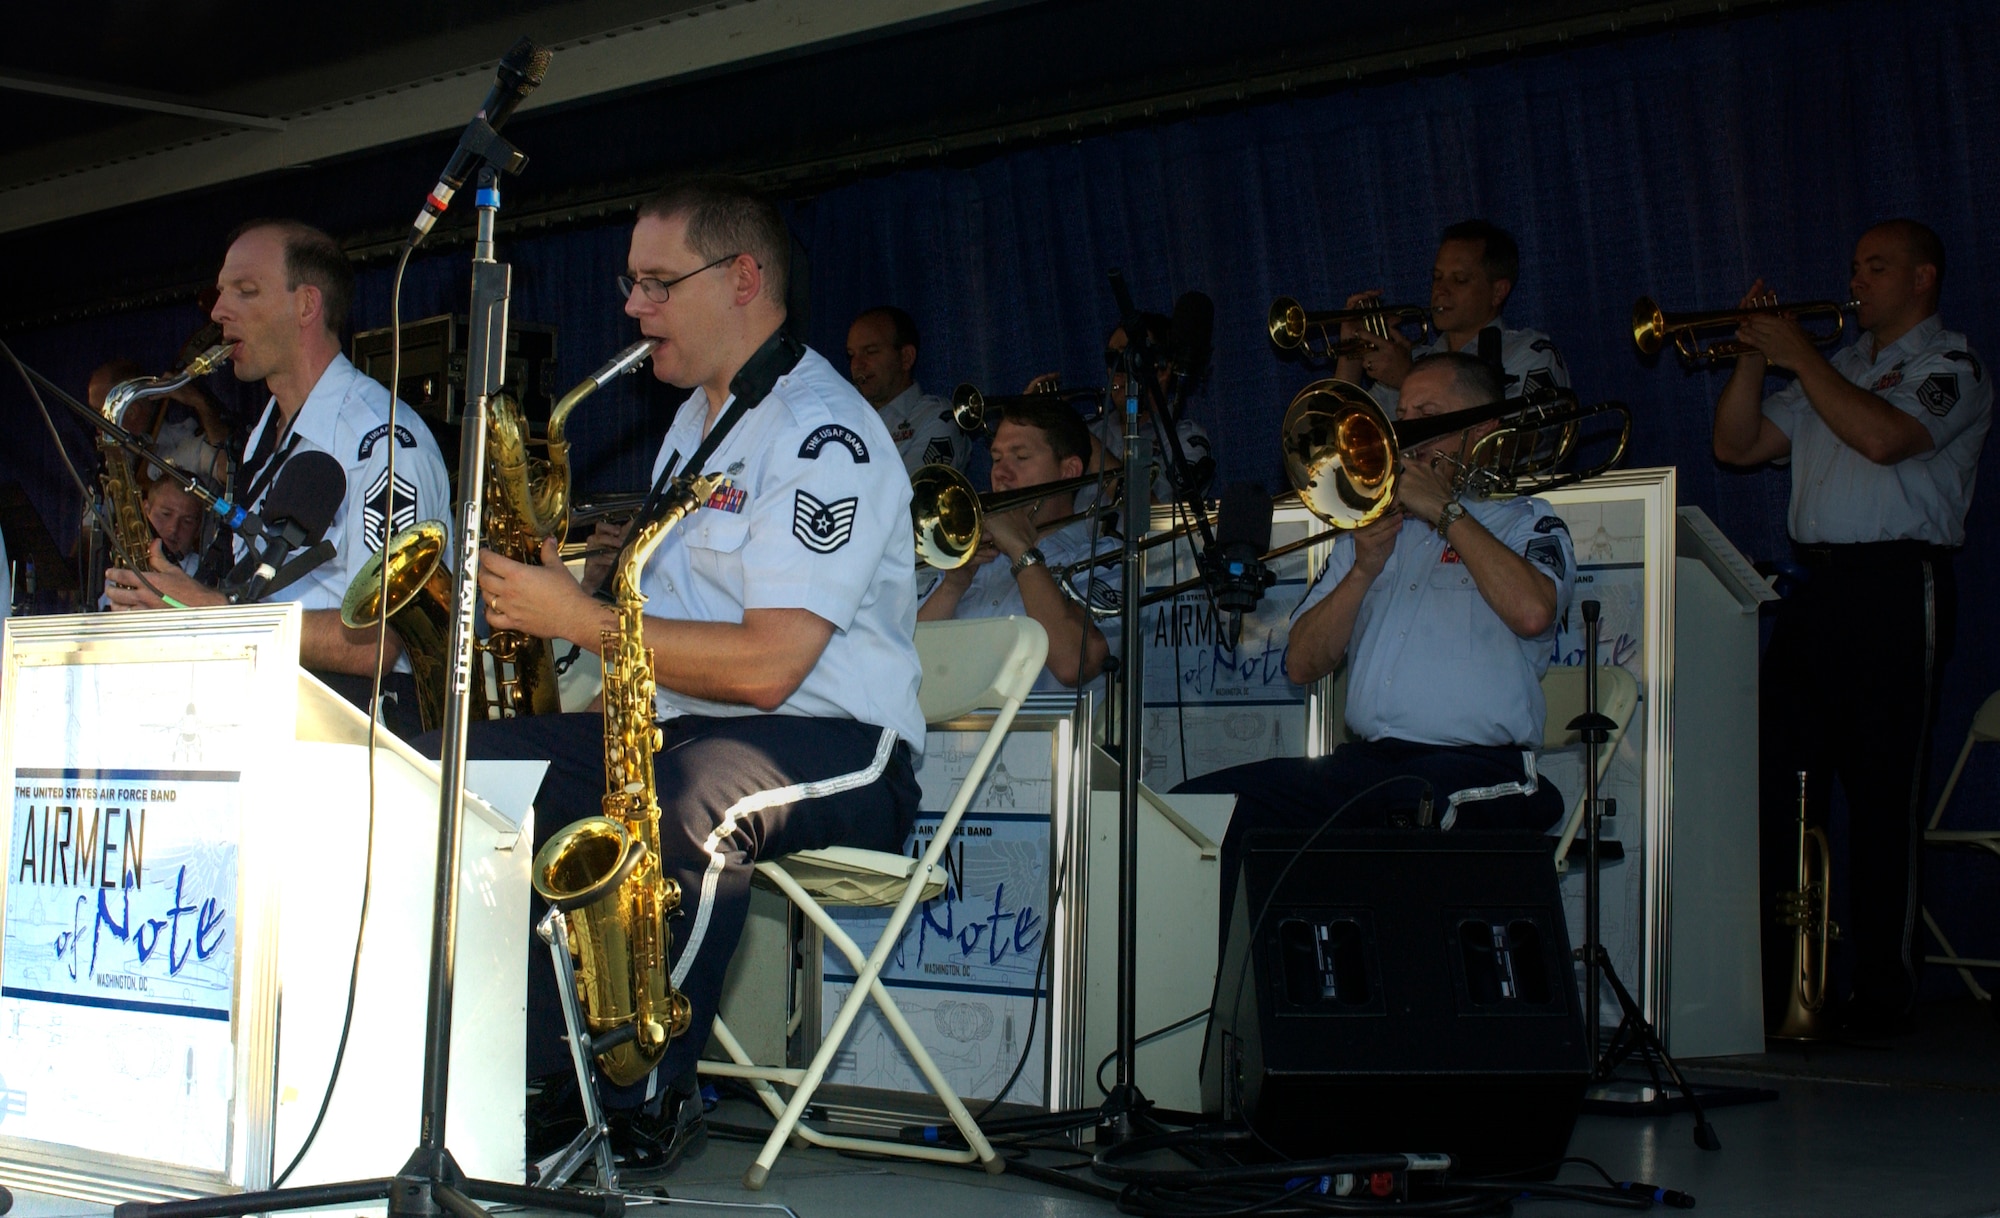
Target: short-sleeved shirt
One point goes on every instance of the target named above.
(921, 426)
(814, 514)
(1840, 496)
(1429, 661)
(1528, 361)
(347, 416)
(994, 592)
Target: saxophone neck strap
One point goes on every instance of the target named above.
(752, 383)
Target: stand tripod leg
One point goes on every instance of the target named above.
(1646, 1042)
(595, 1140)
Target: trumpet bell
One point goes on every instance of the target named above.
(1649, 326)
(1340, 453)
(1287, 323)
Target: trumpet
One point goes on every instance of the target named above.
(948, 514)
(969, 407)
(1651, 327)
(1291, 326)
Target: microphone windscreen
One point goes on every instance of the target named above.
(306, 493)
(1193, 332)
(1245, 517)
(527, 61)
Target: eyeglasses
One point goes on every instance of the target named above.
(657, 290)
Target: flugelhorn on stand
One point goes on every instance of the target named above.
(1651, 327)
(1808, 911)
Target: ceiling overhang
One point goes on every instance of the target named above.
(683, 45)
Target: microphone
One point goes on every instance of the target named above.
(521, 69)
(301, 504)
(1191, 336)
(1236, 568)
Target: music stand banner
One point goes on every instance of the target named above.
(138, 995)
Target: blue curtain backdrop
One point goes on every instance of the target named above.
(1681, 165)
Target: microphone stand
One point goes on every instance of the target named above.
(430, 1182)
(1635, 1035)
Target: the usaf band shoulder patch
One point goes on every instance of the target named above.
(403, 439)
(823, 527)
(403, 506)
(1966, 358)
(834, 433)
(1939, 393)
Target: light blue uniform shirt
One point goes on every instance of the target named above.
(921, 426)
(1528, 360)
(1840, 496)
(347, 416)
(815, 515)
(994, 592)
(1429, 661)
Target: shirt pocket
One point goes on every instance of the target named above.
(714, 539)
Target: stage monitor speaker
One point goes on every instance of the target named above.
(1402, 992)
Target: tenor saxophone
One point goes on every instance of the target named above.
(604, 872)
(132, 537)
(527, 501)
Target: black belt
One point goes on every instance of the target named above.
(1869, 555)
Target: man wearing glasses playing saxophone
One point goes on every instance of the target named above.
(780, 616)
(1884, 441)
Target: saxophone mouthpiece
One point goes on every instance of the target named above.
(625, 361)
(208, 361)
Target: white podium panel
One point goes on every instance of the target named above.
(189, 856)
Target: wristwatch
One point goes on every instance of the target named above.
(1448, 515)
(1030, 557)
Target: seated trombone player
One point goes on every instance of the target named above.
(1445, 610)
(1477, 266)
(1884, 440)
(286, 288)
(779, 614)
(1016, 567)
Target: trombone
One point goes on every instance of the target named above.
(1291, 326)
(969, 407)
(948, 514)
(1341, 452)
(1651, 327)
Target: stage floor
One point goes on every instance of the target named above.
(1909, 1129)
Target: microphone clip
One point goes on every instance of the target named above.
(490, 147)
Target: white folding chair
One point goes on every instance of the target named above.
(1562, 689)
(1985, 728)
(967, 665)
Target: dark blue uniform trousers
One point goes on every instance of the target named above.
(731, 791)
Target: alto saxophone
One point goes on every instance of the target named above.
(604, 872)
(527, 501)
(132, 537)
(1808, 910)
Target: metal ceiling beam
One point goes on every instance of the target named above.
(133, 99)
(728, 33)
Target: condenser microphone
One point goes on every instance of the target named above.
(1236, 562)
(300, 506)
(521, 69)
